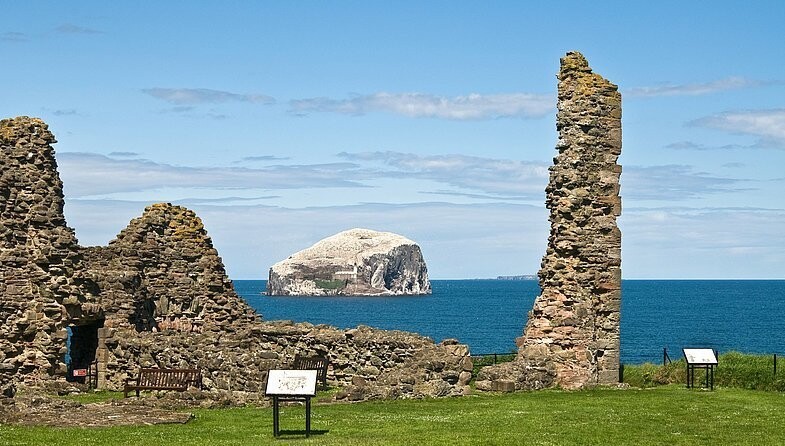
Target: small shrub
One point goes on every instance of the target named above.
(650, 375)
(748, 372)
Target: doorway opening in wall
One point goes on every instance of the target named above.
(81, 349)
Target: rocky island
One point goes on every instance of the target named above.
(357, 262)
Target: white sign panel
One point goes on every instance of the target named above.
(699, 356)
(291, 382)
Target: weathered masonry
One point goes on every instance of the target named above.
(158, 295)
(571, 338)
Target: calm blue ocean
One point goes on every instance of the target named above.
(743, 315)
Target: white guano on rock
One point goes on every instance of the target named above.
(352, 263)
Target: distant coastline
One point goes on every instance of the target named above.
(521, 277)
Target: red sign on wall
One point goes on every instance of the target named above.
(80, 372)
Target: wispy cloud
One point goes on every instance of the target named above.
(123, 154)
(422, 105)
(364, 176)
(225, 201)
(65, 112)
(251, 237)
(262, 158)
(767, 125)
(674, 183)
(13, 36)
(189, 111)
(689, 145)
(697, 89)
(682, 242)
(87, 174)
(498, 177)
(69, 28)
(678, 242)
(195, 96)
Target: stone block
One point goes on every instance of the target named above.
(503, 385)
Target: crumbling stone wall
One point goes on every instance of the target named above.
(42, 288)
(571, 338)
(162, 271)
(370, 363)
(160, 295)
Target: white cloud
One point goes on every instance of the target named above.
(422, 105)
(767, 125)
(65, 112)
(718, 243)
(697, 89)
(68, 28)
(465, 241)
(674, 183)
(193, 96)
(497, 177)
(262, 158)
(87, 174)
(13, 36)
(386, 175)
(689, 145)
(458, 241)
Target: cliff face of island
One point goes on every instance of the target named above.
(353, 263)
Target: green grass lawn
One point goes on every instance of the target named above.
(667, 415)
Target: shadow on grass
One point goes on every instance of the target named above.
(288, 434)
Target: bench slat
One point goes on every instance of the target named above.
(164, 379)
(317, 363)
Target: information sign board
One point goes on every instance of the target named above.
(291, 382)
(291, 385)
(701, 356)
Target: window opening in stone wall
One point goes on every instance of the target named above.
(81, 348)
(143, 319)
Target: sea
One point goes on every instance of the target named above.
(656, 315)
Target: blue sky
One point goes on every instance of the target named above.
(281, 123)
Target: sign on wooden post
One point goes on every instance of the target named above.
(291, 385)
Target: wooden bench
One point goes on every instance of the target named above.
(163, 379)
(317, 363)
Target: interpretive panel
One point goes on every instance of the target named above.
(291, 382)
(700, 356)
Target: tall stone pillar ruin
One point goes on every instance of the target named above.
(571, 338)
(42, 288)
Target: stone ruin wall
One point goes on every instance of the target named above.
(160, 295)
(42, 286)
(571, 338)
